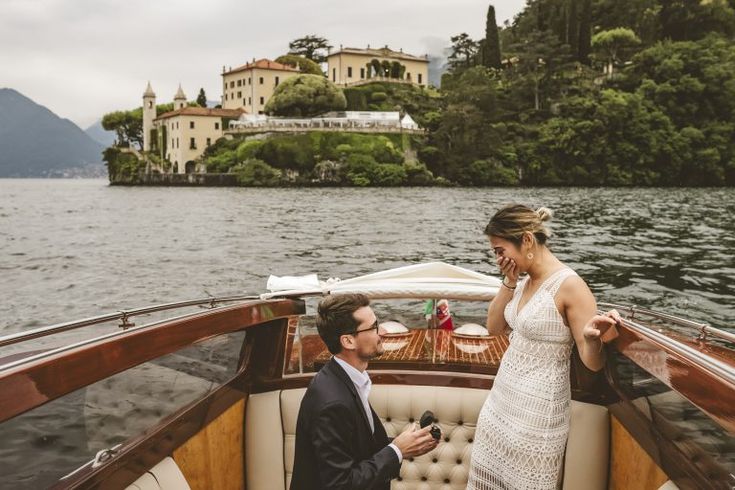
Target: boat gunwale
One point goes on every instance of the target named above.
(36, 382)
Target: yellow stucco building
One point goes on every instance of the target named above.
(352, 66)
(181, 136)
(250, 86)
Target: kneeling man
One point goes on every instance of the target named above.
(340, 441)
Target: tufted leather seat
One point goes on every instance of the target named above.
(270, 434)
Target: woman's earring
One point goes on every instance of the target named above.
(529, 256)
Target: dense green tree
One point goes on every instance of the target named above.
(128, 126)
(311, 47)
(584, 32)
(684, 20)
(463, 52)
(611, 45)
(202, 98)
(257, 173)
(616, 138)
(305, 96)
(297, 61)
(491, 49)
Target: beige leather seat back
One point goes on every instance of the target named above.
(271, 431)
(166, 475)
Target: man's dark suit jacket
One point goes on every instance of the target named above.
(335, 448)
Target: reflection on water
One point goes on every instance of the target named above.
(75, 248)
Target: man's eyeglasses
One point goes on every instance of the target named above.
(375, 327)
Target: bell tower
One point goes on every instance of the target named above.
(179, 99)
(149, 114)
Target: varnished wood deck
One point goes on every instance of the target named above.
(415, 349)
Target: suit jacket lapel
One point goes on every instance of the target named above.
(344, 377)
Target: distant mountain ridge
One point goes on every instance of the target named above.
(35, 142)
(100, 135)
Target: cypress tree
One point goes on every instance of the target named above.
(202, 98)
(491, 48)
(585, 32)
(573, 26)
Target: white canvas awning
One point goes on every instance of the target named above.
(431, 280)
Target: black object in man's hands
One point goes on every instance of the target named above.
(428, 419)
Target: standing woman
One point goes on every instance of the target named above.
(523, 426)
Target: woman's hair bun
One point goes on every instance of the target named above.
(544, 214)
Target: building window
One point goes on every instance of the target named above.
(209, 141)
(276, 81)
(349, 72)
(262, 100)
(408, 77)
(239, 83)
(362, 73)
(177, 124)
(191, 124)
(261, 80)
(216, 125)
(334, 74)
(177, 142)
(250, 80)
(225, 96)
(260, 112)
(232, 84)
(419, 75)
(192, 144)
(243, 101)
(150, 104)
(250, 100)
(173, 141)
(239, 94)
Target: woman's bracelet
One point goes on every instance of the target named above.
(509, 287)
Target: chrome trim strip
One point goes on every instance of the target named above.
(63, 327)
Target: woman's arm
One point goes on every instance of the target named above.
(587, 326)
(496, 323)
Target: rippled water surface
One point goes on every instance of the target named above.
(75, 248)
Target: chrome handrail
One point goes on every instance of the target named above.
(704, 329)
(715, 366)
(120, 315)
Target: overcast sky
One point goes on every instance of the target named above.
(82, 58)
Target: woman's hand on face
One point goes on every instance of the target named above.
(509, 269)
(599, 325)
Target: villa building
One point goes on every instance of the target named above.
(181, 136)
(250, 86)
(353, 66)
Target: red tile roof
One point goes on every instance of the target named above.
(263, 64)
(203, 111)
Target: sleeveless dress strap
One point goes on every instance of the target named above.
(556, 280)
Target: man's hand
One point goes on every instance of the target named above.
(415, 442)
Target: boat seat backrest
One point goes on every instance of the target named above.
(166, 475)
(270, 434)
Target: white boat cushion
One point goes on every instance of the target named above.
(473, 329)
(166, 475)
(393, 326)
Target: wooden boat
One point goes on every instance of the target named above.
(208, 399)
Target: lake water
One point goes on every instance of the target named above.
(76, 248)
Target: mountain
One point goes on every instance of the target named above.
(35, 142)
(100, 135)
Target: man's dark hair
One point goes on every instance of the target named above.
(335, 317)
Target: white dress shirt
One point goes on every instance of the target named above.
(362, 382)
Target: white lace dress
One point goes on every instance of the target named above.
(523, 426)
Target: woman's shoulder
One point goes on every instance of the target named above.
(572, 284)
